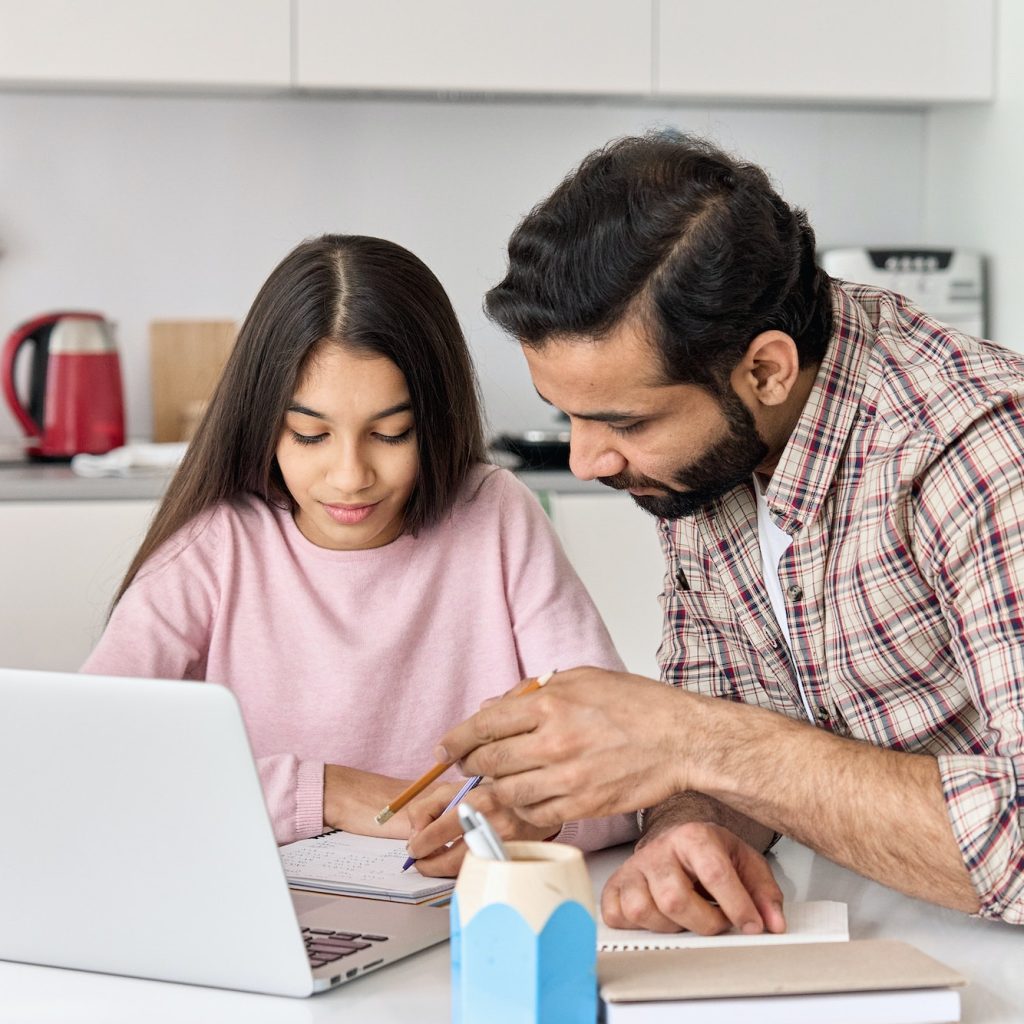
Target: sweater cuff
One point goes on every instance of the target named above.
(568, 833)
(309, 799)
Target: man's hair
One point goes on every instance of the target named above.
(668, 229)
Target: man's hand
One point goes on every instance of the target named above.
(589, 744)
(674, 879)
(432, 830)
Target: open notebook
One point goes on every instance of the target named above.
(813, 921)
(352, 865)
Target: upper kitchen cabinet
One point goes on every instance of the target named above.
(131, 43)
(587, 47)
(824, 51)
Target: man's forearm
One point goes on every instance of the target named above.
(690, 806)
(880, 812)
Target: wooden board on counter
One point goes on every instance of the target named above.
(186, 359)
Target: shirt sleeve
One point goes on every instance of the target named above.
(160, 629)
(972, 512)
(556, 626)
(555, 622)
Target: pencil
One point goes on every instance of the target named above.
(439, 769)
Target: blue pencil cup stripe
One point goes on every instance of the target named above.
(505, 971)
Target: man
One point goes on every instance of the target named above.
(839, 482)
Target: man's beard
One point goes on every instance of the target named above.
(727, 463)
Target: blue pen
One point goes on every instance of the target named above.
(469, 784)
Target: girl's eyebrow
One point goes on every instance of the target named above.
(391, 410)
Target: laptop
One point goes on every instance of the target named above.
(134, 840)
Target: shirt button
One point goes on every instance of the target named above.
(795, 592)
(823, 715)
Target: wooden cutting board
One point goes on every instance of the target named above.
(186, 358)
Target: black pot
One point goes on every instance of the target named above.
(536, 449)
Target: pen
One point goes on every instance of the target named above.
(385, 813)
(471, 783)
(480, 835)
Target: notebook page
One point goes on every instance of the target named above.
(813, 921)
(355, 864)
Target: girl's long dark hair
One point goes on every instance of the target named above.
(363, 293)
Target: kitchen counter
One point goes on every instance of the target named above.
(56, 482)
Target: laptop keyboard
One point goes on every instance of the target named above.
(324, 947)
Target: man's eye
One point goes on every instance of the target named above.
(629, 428)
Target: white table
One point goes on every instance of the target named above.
(991, 955)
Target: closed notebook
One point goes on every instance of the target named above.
(352, 865)
(838, 982)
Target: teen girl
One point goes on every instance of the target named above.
(335, 550)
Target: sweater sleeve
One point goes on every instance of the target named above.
(161, 628)
(556, 626)
(555, 622)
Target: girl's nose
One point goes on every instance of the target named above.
(350, 472)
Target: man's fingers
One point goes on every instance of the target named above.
(496, 722)
(764, 890)
(713, 867)
(512, 756)
(627, 903)
(700, 877)
(678, 901)
(659, 898)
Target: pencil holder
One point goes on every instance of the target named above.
(524, 941)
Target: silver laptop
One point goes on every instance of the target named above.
(134, 840)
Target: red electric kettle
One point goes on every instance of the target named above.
(74, 385)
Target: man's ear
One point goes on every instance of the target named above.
(768, 370)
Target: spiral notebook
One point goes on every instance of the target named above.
(347, 864)
(812, 921)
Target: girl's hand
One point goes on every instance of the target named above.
(432, 830)
(352, 799)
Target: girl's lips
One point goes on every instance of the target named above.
(349, 515)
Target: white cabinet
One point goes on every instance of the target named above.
(820, 51)
(614, 547)
(885, 51)
(530, 46)
(218, 43)
(61, 563)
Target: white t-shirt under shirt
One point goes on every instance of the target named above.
(360, 658)
(774, 544)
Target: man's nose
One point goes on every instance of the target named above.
(591, 456)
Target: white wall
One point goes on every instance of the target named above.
(973, 173)
(174, 206)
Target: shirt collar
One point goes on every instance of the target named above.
(815, 449)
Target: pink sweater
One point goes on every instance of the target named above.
(360, 658)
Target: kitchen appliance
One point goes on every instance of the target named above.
(536, 449)
(74, 402)
(948, 284)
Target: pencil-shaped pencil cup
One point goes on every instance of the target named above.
(524, 941)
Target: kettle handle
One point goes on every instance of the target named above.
(23, 335)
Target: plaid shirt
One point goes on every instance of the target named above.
(903, 488)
